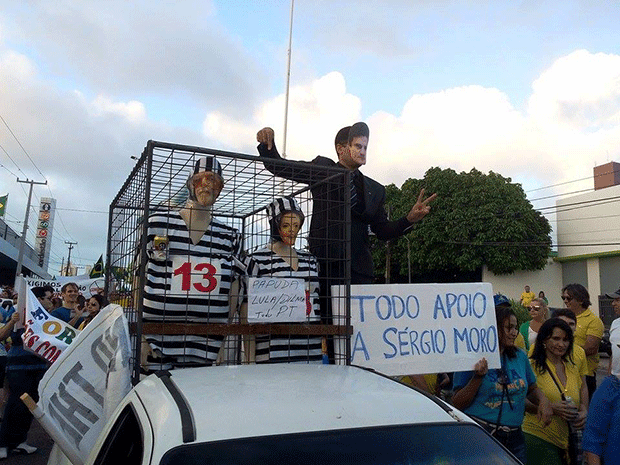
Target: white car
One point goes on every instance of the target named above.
(288, 414)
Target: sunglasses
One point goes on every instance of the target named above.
(567, 298)
(534, 307)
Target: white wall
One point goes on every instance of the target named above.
(548, 280)
(591, 218)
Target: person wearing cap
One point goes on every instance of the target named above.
(500, 300)
(367, 203)
(601, 437)
(191, 266)
(589, 328)
(280, 259)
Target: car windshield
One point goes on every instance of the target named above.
(436, 444)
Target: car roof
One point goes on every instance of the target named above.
(257, 400)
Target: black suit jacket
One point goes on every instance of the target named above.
(329, 185)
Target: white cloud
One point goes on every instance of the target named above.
(580, 91)
(460, 128)
(132, 111)
(316, 111)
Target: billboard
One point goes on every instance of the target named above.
(45, 223)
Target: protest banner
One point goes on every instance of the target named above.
(80, 391)
(403, 329)
(277, 300)
(45, 335)
(86, 286)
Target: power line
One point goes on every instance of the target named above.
(22, 147)
(7, 154)
(83, 211)
(561, 195)
(2, 166)
(594, 176)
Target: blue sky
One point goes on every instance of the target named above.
(528, 89)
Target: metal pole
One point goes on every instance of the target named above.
(22, 243)
(71, 244)
(288, 80)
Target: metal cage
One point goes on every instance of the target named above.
(158, 186)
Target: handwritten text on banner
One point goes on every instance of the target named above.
(421, 328)
(276, 300)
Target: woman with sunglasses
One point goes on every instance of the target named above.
(93, 307)
(589, 329)
(539, 312)
(496, 398)
(559, 378)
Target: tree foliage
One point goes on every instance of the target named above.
(477, 219)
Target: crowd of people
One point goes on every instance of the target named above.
(21, 370)
(543, 403)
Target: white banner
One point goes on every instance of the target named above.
(81, 390)
(403, 329)
(86, 286)
(45, 335)
(277, 300)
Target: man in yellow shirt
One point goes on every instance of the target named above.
(589, 329)
(527, 297)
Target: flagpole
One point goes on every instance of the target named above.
(288, 79)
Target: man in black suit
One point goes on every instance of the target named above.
(327, 237)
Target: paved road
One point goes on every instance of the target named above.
(38, 438)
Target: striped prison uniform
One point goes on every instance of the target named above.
(189, 283)
(272, 349)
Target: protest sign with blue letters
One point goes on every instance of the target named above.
(421, 328)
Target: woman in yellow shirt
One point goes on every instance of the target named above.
(560, 380)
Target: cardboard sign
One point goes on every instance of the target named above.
(421, 328)
(276, 300)
(80, 391)
(45, 335)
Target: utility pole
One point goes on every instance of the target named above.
(71, 244)
(22, 243)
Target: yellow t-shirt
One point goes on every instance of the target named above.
(579, 358)
(557, 431)
(526, 298)
(588, 324)
(520, 342)
(430, 378)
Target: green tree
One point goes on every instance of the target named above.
(477, 219)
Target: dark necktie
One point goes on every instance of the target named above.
(353, 190)
(357, 199)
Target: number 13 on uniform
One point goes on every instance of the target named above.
(195, 275)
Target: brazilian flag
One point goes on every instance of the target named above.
(97, 271)
(3, 200)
